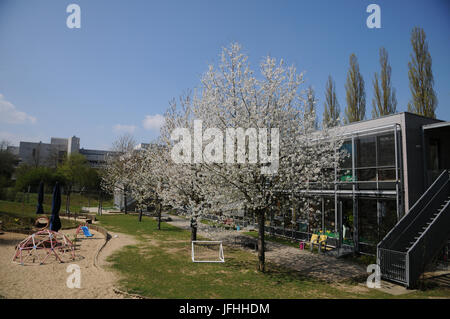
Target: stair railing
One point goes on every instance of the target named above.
(426, 246)
(398, 230)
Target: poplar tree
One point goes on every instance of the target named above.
(355, 93)
(331, 106)
(310, 109)
(384, 101)
(420, 75)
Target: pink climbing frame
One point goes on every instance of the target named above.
(41, 245)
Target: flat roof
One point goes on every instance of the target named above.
(436, 125)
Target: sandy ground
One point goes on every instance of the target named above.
(49, 280)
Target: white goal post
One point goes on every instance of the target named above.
(205, 251)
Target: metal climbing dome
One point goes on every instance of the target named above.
(38, 247)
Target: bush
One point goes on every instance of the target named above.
(11, 194)
(32, 176)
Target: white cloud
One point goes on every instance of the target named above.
(120, 128)
(153, 122)
(15, 139)
(9, 114)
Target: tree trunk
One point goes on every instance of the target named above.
(193, 230)
(68, 200)
(99, 203)
(140, 215)
(125, 200)
(159, 216)
(261, 244)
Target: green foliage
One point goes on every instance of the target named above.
(331, 107)
(74, 169)
(384, 101)
(21, 216)
(32, 176)
(424, 100)
(355, 93)
(7, 164)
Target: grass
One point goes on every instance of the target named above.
(76, 201)
(160, 266)
(17, 216)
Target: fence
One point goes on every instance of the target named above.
(393, 264)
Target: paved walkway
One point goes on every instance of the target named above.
(316, 265)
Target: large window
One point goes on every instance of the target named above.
(368, 221)
(376, 158)
(387, 216)
(347, 221)
(347, 162)
(367, 152)
(329, 215)
(376, 219)
(386, 150)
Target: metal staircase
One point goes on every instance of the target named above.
(418, 237)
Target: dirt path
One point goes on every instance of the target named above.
(49, 280)
(323, 267)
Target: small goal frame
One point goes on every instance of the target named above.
(220, 256)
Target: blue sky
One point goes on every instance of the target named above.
(130, 58)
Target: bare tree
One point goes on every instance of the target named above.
(311, 102)
(116, 176)
(124, 144)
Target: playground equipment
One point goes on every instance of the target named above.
(42, 223)
(204, 251)
(40, 245)
(84, 229)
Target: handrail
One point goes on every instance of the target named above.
(433, 222)
(415, 210)
(422, 215)
(429, 238)
(420, 253)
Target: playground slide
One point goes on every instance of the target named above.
(86, 231)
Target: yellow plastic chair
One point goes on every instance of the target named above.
(314, 241)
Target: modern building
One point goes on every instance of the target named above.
(95, 158)
(53, 153)
(392, 161)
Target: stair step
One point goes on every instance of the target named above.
(397, 267)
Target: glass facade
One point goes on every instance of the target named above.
(365, 197)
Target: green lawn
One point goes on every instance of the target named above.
(160, 266)
(76, 201)
(18, 216)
